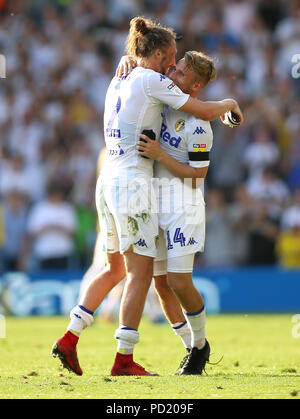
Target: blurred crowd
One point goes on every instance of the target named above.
(60, 58)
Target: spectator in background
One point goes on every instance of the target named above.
(288, 247)
(226, 162)
(288, 243)
(219, 236)
(271, 11)
(287, 36)
(82, 168)
(2, 237)
(270, 189)
(215, 36)
(238, 15)
(292, 159)
(50, 230)
(13, 176)
(27, 136)
(263, 233)
(261, 153)
(15, 210)
(16, 175)
(291, 215)
(240, 211)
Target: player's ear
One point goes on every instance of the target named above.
(198, 85)
(158, 53)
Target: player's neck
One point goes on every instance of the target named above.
(194, 93)
(149, 64)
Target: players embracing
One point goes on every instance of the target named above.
(134, 104)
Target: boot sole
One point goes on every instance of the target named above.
(120, 373)
(56, 353)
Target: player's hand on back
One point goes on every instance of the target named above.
(149, 148)
(125, 66)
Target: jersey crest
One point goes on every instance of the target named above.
(180, 125)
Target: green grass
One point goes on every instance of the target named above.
(261, 359)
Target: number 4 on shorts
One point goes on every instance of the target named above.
(178, 238)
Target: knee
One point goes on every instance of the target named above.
(140, 274)
(176, 284)
(117, 273)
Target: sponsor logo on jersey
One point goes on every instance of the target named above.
(162, 77)
(180, 125)
(192, 241)
(141, 243)
(199, 147)
(166, 136)
(115, 151)
(171, 86)
(115, 133)
(199, 131)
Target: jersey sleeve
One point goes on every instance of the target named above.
(162, 90)
(199, 143)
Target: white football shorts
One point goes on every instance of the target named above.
(180, 264)
(183, 232)
(181, 235)
(128, 216)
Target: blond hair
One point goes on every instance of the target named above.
(202, 65)
(145, 36)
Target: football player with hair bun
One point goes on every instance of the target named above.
(125, 195)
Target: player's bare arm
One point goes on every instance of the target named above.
(211, 110)
(153, 150)
(208, 110)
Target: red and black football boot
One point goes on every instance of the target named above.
(124, 365)
(65, 349)
(182, 363)
(196, 361)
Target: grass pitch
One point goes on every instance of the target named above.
(261, 359)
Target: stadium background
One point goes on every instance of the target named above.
(60, 58)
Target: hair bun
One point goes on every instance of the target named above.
(141, 26)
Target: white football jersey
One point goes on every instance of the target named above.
(182, 208)
(133, 104)
(187, 139)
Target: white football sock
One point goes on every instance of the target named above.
(182, 330)
(127, 338)
(80, 319)
(197, 322)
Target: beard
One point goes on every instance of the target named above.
(164, 66)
